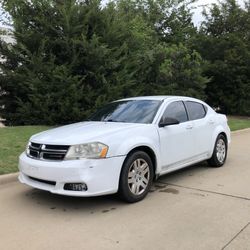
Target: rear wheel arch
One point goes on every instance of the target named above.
(219, 155)
(216, 136)
(217, 132)
(225, 135)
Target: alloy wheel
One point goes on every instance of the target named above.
(138, 176)
(221, 150)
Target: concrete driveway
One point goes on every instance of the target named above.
(196, 208)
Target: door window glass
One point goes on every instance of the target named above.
(195, 110)
(177, 111)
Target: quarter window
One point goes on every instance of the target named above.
(195, 110)
(177, 111)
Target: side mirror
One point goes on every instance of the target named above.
(168, 121)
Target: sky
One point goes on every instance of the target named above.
(197, 11)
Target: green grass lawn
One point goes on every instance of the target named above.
(13, 141)
(236, 123)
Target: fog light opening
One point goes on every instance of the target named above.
(75, 186)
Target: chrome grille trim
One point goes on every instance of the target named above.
(47, 151)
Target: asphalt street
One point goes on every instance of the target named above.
(195, 208)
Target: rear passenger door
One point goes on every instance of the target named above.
(202, 128)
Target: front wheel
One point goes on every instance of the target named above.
(220, 152)
(136, 177)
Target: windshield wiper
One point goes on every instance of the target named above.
(110, 120)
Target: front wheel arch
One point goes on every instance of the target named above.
(148, 151)
(123, 190)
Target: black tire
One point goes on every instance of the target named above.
(218, 161)
(130, 163)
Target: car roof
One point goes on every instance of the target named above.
(159, 98)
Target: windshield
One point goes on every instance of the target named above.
(131, 111)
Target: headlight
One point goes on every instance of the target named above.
(89, 150)
(27, 150)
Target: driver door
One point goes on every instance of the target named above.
(176, 141)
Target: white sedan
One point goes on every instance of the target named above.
(124, 146)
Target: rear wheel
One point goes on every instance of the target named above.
(220, 152)
(136, 177)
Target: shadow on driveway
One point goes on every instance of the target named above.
(100, 204)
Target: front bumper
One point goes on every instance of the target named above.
(100, 175)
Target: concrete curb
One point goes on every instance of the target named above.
(7, 178)
(236, 132)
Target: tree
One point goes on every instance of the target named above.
(224, 41)
(72, 56)
(60, 67)
(148, 52)
(171, 20)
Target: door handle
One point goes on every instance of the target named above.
(189, 126)
(211, 121)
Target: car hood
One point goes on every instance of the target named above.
(82, 132)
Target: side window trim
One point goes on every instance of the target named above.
(184, 104)
(205, 109)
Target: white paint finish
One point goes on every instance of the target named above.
(100, 175)
(231, 179)
(202, 134)
(177, 144)
(174, 146)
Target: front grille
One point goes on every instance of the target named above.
(47, 152)
(43, 181)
